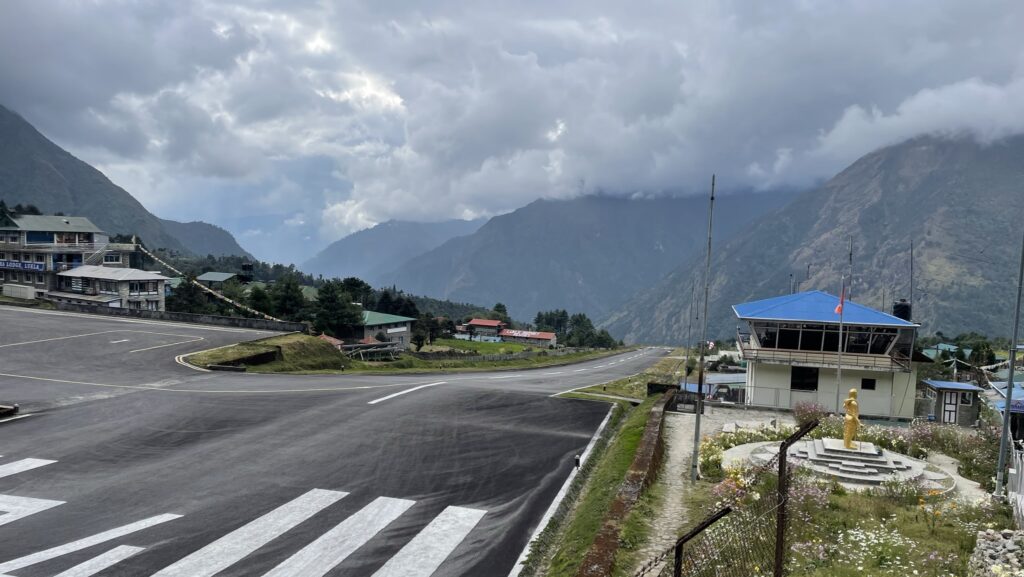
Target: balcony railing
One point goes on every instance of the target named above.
(818, 358)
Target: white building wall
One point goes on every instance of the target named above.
(769, 385)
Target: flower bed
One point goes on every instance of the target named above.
(976, 449)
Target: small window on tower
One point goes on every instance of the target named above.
(867, 384)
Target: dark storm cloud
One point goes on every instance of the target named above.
(458, 109)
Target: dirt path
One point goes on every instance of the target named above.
(671, 518)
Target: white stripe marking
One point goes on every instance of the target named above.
(555, 373)
(400, 393)
(167, 345)
(15, 508)
(96, 539)
(101, 562)
(431, 546)
(579, 370)
(232, 547)
(334, 546)
(120, 341)
(22, 466)
(16, 417)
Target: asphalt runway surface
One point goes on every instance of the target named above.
(130, 463)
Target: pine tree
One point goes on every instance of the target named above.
(260, 300)
(288, 299)
(335, 313)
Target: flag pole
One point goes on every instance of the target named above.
(1004, 438)
(839, 349)
(703, 342)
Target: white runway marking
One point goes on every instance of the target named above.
(232, 547)
(15, 508)
(168, 345)
(579, 370)
(555, 373)
(56, 339)
(431, 546)
(321, 556)
(120, 341)
(400, 393)
(16, 417)
(101, 562)
(22, 466)
(103, 537)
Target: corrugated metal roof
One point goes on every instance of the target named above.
(815, 307)
(951, 386)
(372, 319)
(90, 298)
(215, 276)
(110, 273)
(485, 323)
(526, 334)
(48, 223)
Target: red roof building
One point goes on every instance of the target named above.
(537, 338)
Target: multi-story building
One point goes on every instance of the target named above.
(35, 248)
(108, 286)
(396, 329)
(792, 347)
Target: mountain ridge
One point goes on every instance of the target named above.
(952, 197)
(35, 170)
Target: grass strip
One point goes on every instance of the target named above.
(568, 544)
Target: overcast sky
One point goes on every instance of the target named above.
(293, 124)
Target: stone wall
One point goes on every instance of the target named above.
(258, 324)
(600, 558)
(998, 554)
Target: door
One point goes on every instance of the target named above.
(950, 400)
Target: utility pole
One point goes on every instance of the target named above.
(791, 285)
(839, 349)
(911, 278)
(1005, 437)
(689, 343)
(703, 340)
(850, 296)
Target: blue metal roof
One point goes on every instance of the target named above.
(815, 307)
(1017, 408)
(951, 386)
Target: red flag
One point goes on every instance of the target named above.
(842, 300)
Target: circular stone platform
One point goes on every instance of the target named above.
(863, 466)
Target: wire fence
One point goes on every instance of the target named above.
(740, 538)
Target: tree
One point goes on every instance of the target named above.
(233, 290)
(287, 297)
(189, 298)
(335, 313)
(405, 307)
(380, 336)
(502, 312)
(418, 339)
(260, 300)
(386, 303)
(358, 289)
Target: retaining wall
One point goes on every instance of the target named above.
(600, 558)
(997, 554)
(258, 324)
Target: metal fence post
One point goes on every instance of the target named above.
(783, 496)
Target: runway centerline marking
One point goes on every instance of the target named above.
(236, 545)
(120, 341)
(168, 345)
(58, 339)
(400, 393)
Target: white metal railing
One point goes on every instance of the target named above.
(817, 358)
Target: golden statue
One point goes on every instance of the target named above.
(852, 420)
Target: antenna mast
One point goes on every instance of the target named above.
(703, 341)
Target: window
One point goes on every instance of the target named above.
(3, 256)
(804, 379)
(966, 398)
(1, 275)
(867, 384)
(14, 277)
(40, 257)
(39, 278)
(152, 305)
(112, 257)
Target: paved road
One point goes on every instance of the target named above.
(132, 464)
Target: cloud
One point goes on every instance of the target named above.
(341, 115)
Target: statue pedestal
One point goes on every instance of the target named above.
(860, 447)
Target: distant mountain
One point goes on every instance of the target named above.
(34, 170)
(959, 201)
(588, 254)
(203, 238)
(370, 253)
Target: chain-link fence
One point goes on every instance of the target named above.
(741, 538)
